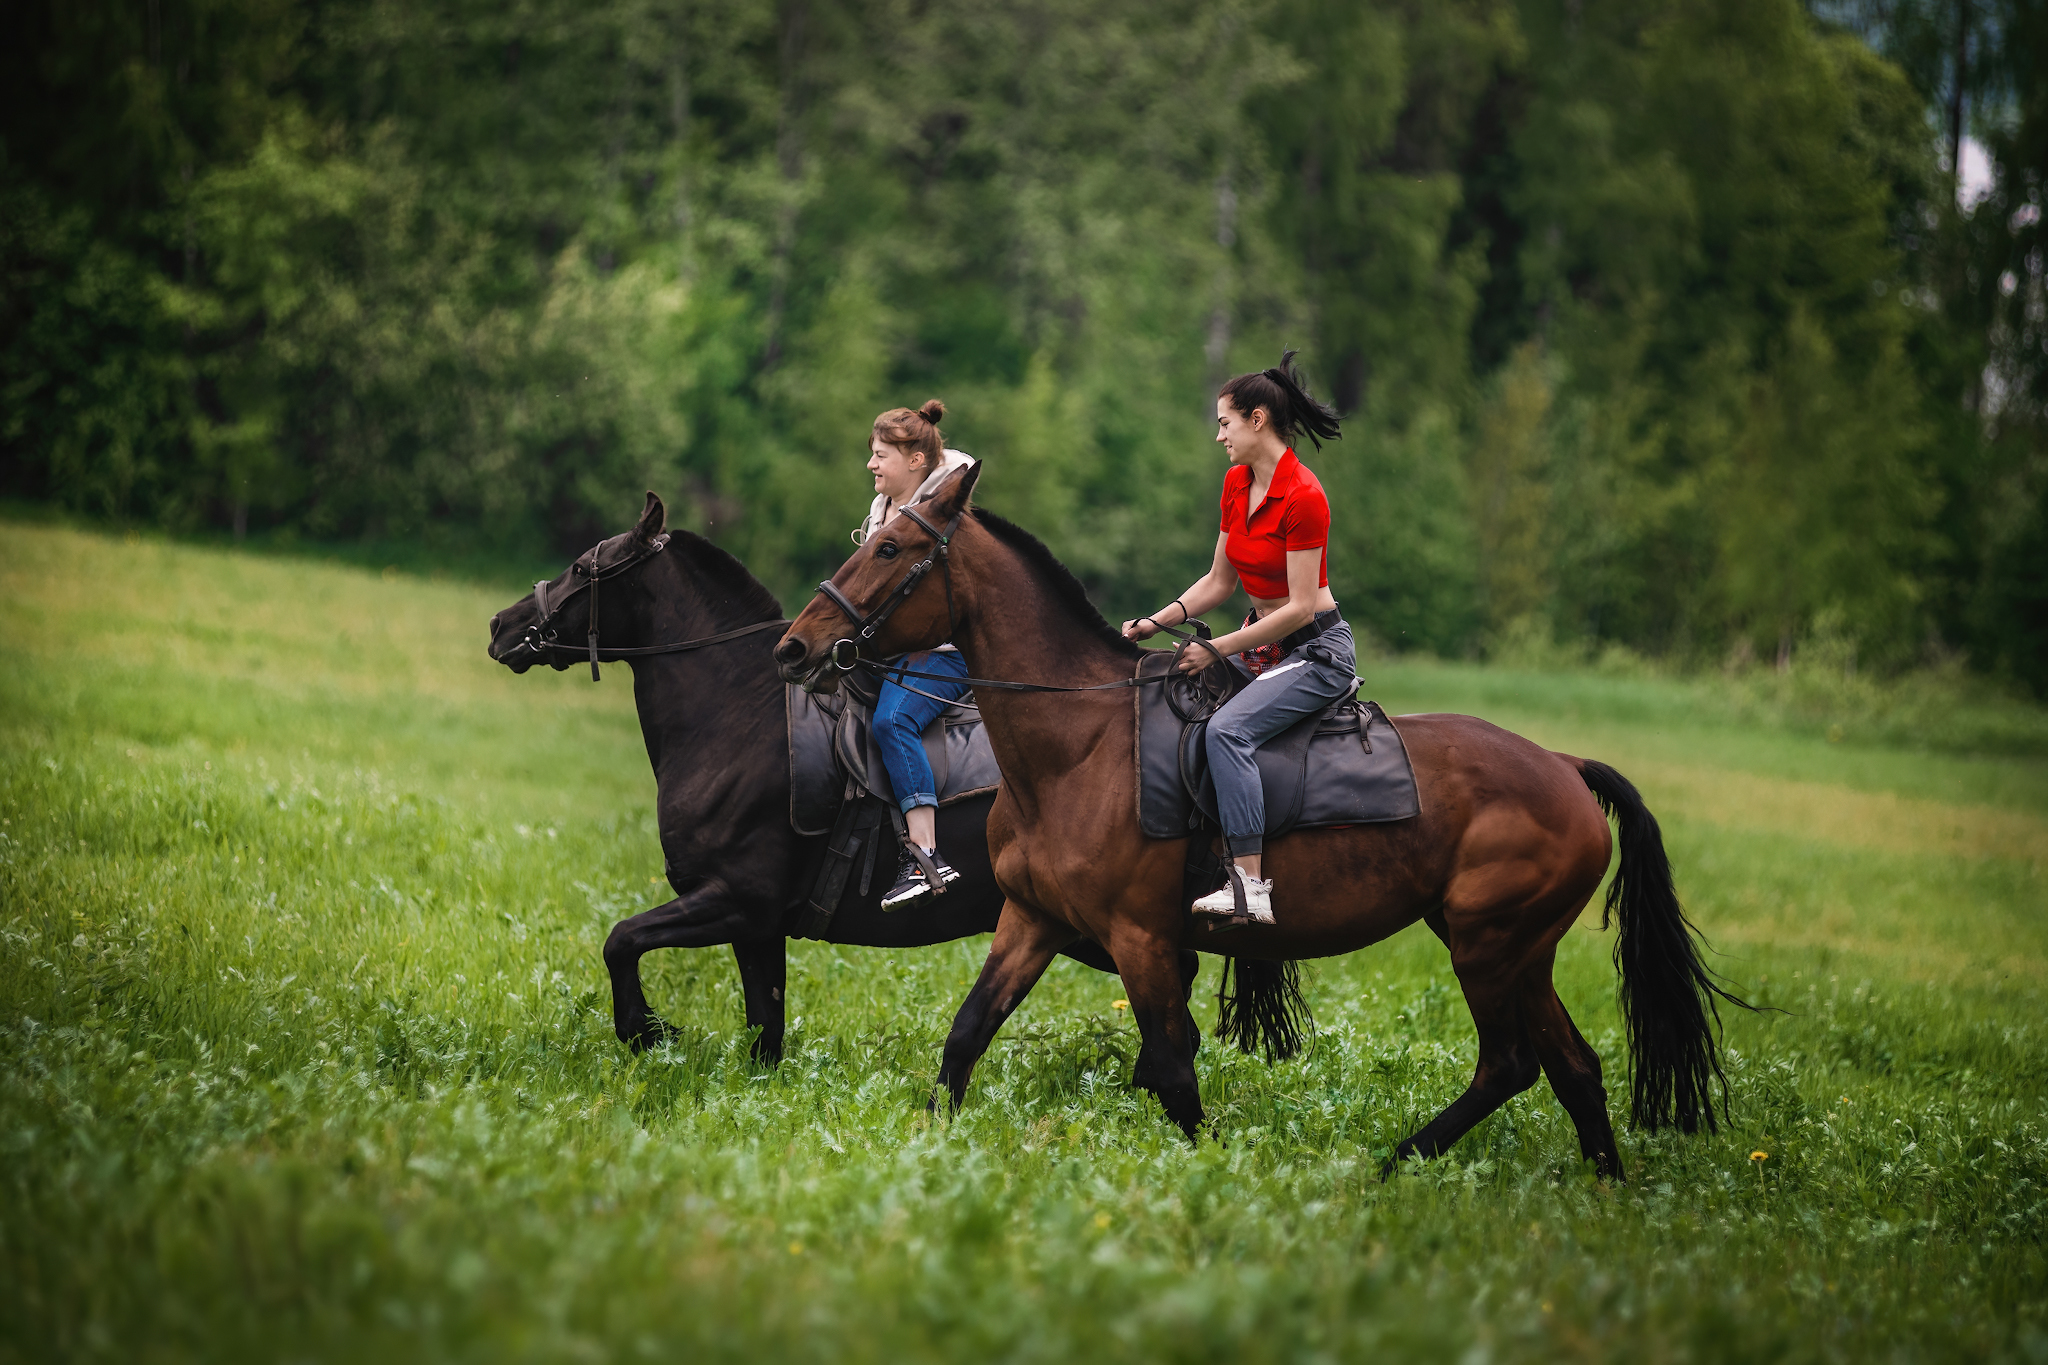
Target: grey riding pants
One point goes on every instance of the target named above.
(1300, 685)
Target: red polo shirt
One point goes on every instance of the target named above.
(1294, 516)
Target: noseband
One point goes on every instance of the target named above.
(845, 653)
(539, 639)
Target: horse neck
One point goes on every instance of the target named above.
(698, 704)
(1018, 628)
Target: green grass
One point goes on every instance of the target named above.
(305, 1049)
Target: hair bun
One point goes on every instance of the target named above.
(932, 411)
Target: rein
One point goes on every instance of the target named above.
(539, 639)
(845, 653)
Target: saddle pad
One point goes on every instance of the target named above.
(830, 741)
(815, 782)
(1345, 766)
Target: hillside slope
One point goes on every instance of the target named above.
(305, 1048)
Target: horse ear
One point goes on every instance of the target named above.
(653, 519)
(955, 494)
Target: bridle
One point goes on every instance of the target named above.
(540, 638)
(1190, 695)
(845, 653)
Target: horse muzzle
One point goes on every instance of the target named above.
(794, 662)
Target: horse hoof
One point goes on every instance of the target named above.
(651, 1034)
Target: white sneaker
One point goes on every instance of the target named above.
(1258, 901)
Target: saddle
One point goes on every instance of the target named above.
(839, 786)
(1344, 766)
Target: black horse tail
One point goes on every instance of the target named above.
(1259, 1006)
(1667, 994)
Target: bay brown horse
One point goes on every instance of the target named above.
(1510, 846)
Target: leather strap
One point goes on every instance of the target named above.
(539, 640)
(618, 652)
(1317, 624)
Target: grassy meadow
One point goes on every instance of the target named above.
(305, 1051)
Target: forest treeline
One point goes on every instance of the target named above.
(1656, 322)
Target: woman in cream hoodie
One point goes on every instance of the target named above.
(909, 459)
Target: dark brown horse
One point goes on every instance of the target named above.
(1511, 843)
(712, 715)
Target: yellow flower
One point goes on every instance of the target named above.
(1119, 1004)
(1102, 1220)
(796, 1248)
(1759, 1156)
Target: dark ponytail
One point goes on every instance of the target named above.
(1287, 401)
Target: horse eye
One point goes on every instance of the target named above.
(886, 550)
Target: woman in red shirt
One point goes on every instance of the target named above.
(1294, 644)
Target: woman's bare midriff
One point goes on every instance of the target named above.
(1266, 607)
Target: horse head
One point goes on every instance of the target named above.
(554, 623)
(894, 596)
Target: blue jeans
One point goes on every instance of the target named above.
(900, 718)
(1300, 685)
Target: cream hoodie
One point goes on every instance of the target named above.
(879, 510)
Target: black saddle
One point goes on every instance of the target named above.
(1344, 766)
(839, 787)
(834, 756)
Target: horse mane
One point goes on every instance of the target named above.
(716, 572)
(1057, 576)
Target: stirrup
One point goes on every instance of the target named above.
(919, 874)
(911, 885)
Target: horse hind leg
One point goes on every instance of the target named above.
(1574, 1071)
(764, 973)
(1507, 1066)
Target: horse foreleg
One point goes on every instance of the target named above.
(1092, 954)
(1025, 943)
(1158, 982)
(1190, 968)
(764, 971)
(706, 916)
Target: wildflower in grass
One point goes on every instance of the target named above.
(1759, 1158)
(1119, 1004)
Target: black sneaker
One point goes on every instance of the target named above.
(910, 880)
